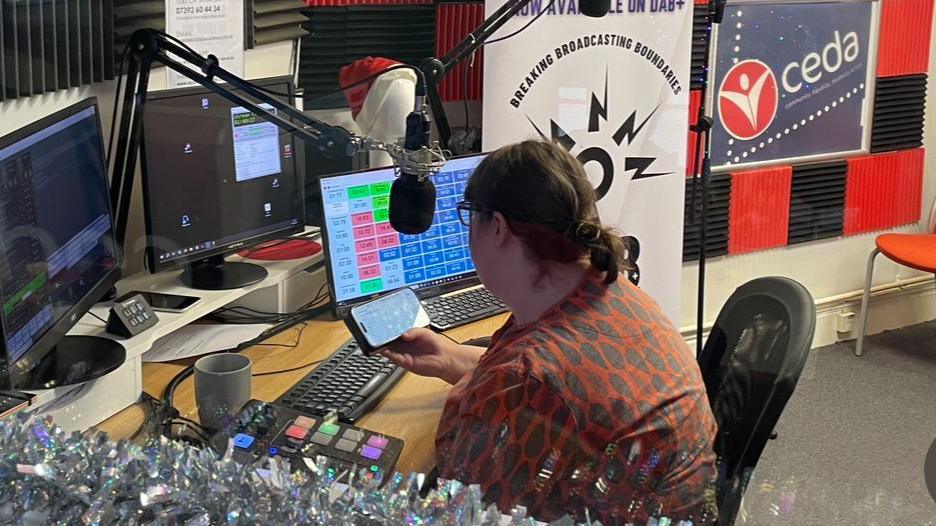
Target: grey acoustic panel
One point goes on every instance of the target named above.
(716, 239)
(23, 48)
(10, 51)
(268, 21)
(48, 44)
(341, 35)
(130, 15)
(2, 58)
(817, 201)
(62, 53)
(87, 41)
(700, 27)
(899, 112)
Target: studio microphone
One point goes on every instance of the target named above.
(594, 8)
(412, 196)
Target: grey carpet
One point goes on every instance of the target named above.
(853, 438)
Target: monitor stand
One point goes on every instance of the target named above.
(215, 273)
(75, 360)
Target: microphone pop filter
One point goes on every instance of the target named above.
(412, 204)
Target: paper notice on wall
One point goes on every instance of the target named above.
(213, 27)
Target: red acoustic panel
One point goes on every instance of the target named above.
(883, 191)
(904, 41)
(453, 23)
(759, 214)
(695, 100)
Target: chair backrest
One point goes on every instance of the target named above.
(751, 363)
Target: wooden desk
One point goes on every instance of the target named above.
(410, 411)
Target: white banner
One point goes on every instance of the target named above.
(209, 27)
(615, 92)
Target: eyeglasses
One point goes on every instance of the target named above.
(465, 210)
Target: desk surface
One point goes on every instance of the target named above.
(410, 411)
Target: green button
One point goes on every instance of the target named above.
(357, 192)
(381, 201)
(381, 215)
(372, 285)
(329, 429)
(382, 188)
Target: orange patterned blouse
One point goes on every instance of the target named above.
(598, 405)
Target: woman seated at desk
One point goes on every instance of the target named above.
(587, 398)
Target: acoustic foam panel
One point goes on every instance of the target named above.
(700, 22)
(904, 40)
(695, 100)
(454, 21)
(269, 21)
(883, 191)
(341, 35)
(817, 201)
(759, 211)
(899, 111)
(716, 242)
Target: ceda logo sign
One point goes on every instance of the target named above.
(791, 81)
(747, 99)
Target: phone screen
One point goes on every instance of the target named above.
(385, 319)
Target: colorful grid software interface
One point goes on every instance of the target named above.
(368, 256)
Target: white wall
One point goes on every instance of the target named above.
(265, 61)
(829, 268)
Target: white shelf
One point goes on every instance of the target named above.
(79, 407)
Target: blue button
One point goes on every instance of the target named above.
(273, 451)
(243, 441)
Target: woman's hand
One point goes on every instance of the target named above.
(426, 353)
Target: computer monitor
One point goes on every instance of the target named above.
(216, 179)
(366, 257)
(57, 249)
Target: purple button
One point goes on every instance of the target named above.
(377, 442)
(371, 452)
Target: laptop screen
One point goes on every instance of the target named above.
(367, 257)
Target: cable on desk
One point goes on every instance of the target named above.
(291, 369)
(296, 317)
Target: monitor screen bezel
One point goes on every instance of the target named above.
(468, 279)
(20, 369)
(152, 260)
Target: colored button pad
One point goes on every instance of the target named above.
(243, 441)
(299, 433)
(305, 422)
(371, 452)
(378, 442)
(329, 428)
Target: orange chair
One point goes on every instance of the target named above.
(910, 250)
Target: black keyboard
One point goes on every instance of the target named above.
(348, 383)
(459, 308)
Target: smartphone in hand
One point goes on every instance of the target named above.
(378, 322)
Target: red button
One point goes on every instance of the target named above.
(297, 432)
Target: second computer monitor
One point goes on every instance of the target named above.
(367, 257)
(217, 178)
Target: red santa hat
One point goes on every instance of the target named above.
(357, 70)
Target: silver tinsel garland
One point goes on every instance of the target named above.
(48, 476)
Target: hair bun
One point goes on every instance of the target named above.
(586, 232)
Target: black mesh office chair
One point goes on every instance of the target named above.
(750, 363)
